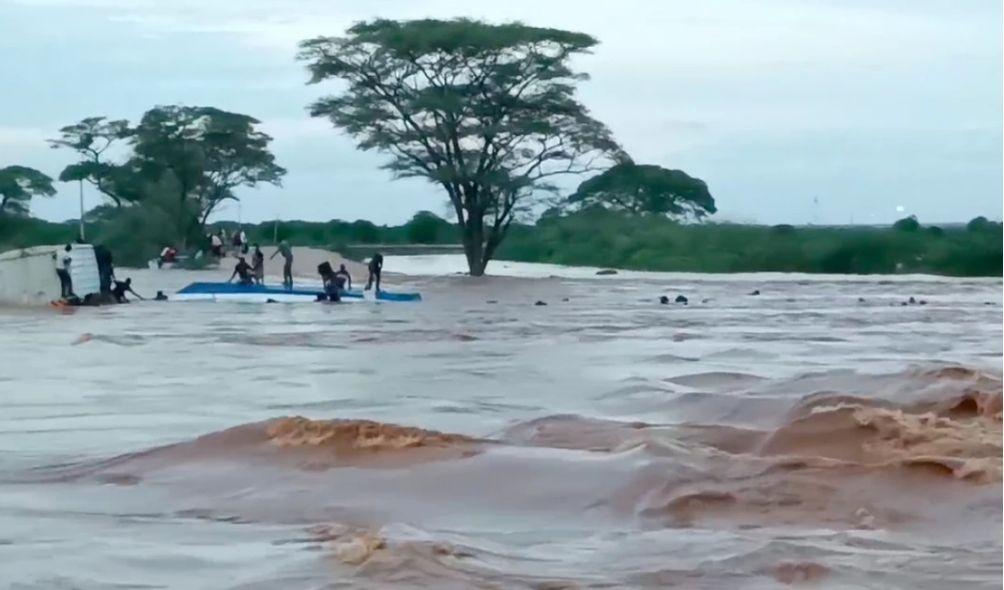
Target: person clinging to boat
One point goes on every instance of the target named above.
(242, 270)
(332, 283)
(121, 288)
(375, 268)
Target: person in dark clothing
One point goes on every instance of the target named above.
(160, 296)
(63, 265)
(121, 288)
(106, 272)
(258, 265)
(343, 277)
(332, 285)
(375, 268)
(243, 271)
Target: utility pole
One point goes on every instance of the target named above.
(81, 210)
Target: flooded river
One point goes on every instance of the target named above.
(823, 433)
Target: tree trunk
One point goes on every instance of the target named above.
(474, 245)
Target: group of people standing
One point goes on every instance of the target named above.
(254, 273)
(218, 242)
(334, 282)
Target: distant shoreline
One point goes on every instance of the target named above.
(606, 239)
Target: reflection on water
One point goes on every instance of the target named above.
(820, 432)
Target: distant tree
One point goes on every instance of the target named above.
(92, 138)
(907, 224)
(18, 184)
(982, 224)
(208, 152)
(425, 227)
(364, 231)
(200, 153)
(487, 112)
(645, 189)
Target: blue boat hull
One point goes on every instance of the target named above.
(238, 292)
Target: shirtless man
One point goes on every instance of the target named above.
(287, 268)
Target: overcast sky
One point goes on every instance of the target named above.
(876, 109)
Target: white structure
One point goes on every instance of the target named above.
(28, 276)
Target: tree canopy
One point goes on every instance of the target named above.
(645, 189)
(487, 112)
(207, 151)
(92, 138)
(198, 154)
(18, 184)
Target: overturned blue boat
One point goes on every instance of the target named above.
(265, 293)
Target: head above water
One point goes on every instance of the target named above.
(68, 247)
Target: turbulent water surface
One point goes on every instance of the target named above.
(823, 433)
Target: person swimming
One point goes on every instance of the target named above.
(121, 288)
(375, 268)
(242, 270)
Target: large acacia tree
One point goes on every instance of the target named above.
(487, 112)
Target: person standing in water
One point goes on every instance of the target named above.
(258, 265)
(375, 268)
(343, 277)
(287, 267)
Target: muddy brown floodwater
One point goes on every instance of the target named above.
(822, 434)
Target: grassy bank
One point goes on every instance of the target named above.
(602, 238)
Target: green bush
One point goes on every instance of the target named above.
(607, 238)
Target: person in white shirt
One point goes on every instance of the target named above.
(216, 240)
(63, 265)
